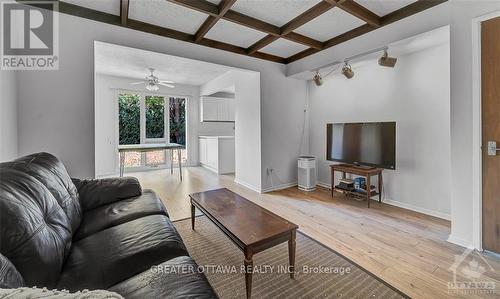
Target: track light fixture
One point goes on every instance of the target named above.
(347, 70)
(318, 80)
(387, 61)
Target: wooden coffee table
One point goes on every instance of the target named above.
(251, 227)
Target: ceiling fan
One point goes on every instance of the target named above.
(152, 82)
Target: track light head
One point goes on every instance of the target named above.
(318, 80)
(347, 71)
(387, 61)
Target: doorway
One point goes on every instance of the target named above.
(490, 122)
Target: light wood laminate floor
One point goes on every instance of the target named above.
(406, 249)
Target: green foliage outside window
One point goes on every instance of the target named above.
(155, 117)
(177, 107)
(129, 118)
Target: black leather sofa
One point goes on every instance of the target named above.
(64, 233)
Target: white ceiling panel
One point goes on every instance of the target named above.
(216, 2)
(276, 12)
(330, 24)
(383, 7)
(235, 34)
(109, 6)
(283, 48)
(166, 14)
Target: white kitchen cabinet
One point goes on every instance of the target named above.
(217, 109)
(217, 153)
(203, 150)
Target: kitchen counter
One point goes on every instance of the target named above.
(217, 153)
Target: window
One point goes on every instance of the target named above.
(155, 117)
(129, 118)
(177, 124)
(149, 118)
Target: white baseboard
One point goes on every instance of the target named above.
(247, 185)
(417, 209)
(209, 168)
(279, 187)
(460, 242)
(325, 185)
(405, 206)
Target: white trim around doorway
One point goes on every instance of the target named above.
(477, 131)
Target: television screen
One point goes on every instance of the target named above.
(367, 144)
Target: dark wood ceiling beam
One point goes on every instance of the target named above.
(304, 40)
(360, 12)
(409, 10)
(301, 55)
(124, 5)
(307, 16)
(199, 5)
(205, 27)
(158, 30)
(349, 35)
(274, 32)
(224, 6)
(262, 43)
(250, 22)
(395, 16)
(95, 15)
(247, 21)
(239, 50)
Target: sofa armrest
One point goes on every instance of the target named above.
(98, 192)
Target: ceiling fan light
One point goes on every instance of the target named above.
(318, 80)
(347, 71)
(152, 87)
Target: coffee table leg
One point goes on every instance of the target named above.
(291, 253)
(248, 273)
(192, 215)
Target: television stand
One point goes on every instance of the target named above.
(362, 166)
(361, 171)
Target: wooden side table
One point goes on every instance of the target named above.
(361, 171)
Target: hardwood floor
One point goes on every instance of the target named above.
(405, 248)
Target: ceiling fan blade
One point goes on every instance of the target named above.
(167, 85)
(165, 81)
(135, 83)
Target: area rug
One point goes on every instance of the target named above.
(320, 272)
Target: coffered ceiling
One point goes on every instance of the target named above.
(277, 30)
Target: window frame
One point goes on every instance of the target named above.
(166, 138)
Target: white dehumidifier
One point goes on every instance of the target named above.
(307, 173)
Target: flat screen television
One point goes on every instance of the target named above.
(370, 144)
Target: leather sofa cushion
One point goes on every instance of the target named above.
(9, 276)
(98, 192)
(35, 233)
(115, 254)
(120, 212)
(51, 172)
(176, 278)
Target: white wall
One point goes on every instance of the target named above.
(416, 95)
(247, 140)
(459, 14)
(8, 116)
(56, 108)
